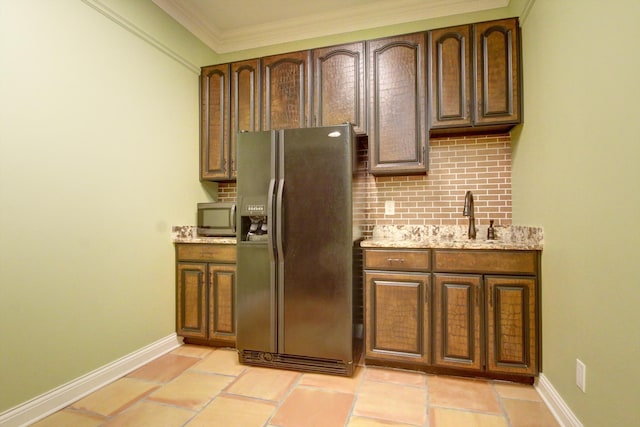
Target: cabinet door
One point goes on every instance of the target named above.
(191, 300)
(245, 102)
(222, 324)
(286, 90)
(397, 96)
(497, 72)
(215, 122)
(397, 316)
(511, 324)
(450, 77)
(457, 310)
(339, 82)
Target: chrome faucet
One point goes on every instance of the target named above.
(470, 212)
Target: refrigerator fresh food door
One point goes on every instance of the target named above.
(316, 241)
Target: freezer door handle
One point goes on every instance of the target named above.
(271, 241)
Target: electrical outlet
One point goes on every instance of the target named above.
(389, 207)
(581, 375)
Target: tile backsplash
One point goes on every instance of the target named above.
(480, 163)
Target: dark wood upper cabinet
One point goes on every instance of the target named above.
(451, 77)
(215, 123)
(397, 90)
(498, 72)
(339, 86)
(397, 99)
(286, 90)
(474, 82)
(245, 102)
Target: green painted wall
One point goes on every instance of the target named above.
(576, 172)
(98, 159)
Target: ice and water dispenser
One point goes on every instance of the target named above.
(254, 224)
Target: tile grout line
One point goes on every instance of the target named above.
(428, 400)
(283, 398)
(194, 412)
(356, 393)
(505, 415)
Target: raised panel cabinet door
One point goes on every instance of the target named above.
(511, 325)
(191, 300)
(397, 316)
(215, 123)
(286, 90)
(397, 96)
(497, 72)
(245, 102)
(458, 321)
(451, 77)
(222, 324)
(339, 86)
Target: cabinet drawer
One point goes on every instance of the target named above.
(207, 253)
(403, 260)
(505, 262)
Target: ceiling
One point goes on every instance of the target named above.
(233, 25)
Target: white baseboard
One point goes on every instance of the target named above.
(556, 404)
(60, 397)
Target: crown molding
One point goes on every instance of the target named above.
(341, 20)
(100, 7)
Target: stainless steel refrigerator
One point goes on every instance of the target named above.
(296, 243)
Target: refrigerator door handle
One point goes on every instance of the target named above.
(271, 240)
(279, 212)
(280, 219)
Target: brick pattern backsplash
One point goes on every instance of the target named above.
(480, 163)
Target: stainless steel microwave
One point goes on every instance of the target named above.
(216, 219)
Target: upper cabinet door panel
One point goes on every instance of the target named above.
(286, 90)
(214, 142)
(245, 102)
(397, 128)
(498, 77)
(451, 77)
(339, 86)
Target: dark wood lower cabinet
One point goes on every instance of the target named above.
(397, 316)
(458, 323)
(511, 324)
(205, 286)
(471, 312)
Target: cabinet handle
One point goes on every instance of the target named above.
(490, 297)
(392, 260)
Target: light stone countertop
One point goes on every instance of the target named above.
(189, 234)
(510, 237)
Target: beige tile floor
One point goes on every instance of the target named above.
(201, 386)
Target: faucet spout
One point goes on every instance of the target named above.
(469, 211)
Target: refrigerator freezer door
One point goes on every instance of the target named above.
(256, 296)
(315, 296)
